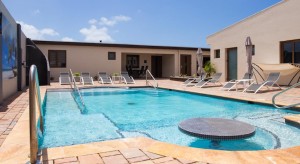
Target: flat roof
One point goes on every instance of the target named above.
(116, 45)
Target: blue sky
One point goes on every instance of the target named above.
(150, 22)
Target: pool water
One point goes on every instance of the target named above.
(113, 113)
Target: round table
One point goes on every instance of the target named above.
(217, 129)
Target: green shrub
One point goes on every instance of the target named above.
(209, 68)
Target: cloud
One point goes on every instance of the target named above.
(67, 39)
(114, 20)
(35, 33)
(94, 34)
(92, 21)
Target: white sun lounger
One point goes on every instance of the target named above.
(214, 80)
(232, 83)
(64, 78)
(103, 78)
(86, 78)
(126, 78)
(270, 82)
(194, 81)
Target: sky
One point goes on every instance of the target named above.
(147, 22)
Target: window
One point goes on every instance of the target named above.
(217, 53)
(133, 61)
(290, 51)
(253, 50)
(111, 55)
(57, 58)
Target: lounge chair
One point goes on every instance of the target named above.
(104, 78)
(64, 78)
(126, 78)
(86, 78)
(194, 81)
(270, 82)
(214, 79)
(232, 83)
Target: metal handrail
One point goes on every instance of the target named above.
(34, 105)
(147, 82)
(277, 94)
(75, 87)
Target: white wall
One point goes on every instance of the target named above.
(267, 29)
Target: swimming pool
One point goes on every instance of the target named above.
(113, 113)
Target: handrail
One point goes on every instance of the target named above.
(75, 87)
(147, 82)
(34, 105)
(277, 94)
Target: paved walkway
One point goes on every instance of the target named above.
(10, 112)
(126, 156)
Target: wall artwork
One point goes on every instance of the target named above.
(9, 47)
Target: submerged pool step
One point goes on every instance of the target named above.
(264, 116)
(293, 120)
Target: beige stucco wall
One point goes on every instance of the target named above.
(280, 22)
(93, 59)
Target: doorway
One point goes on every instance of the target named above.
(231, 64)
(156, 66)
(185, 65)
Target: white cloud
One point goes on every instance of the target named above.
(35, 33)
(94, 34)
(92, 21)
(67, 39)
(48, 31)
(114, 20)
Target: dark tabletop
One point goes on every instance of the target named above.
(217, 128)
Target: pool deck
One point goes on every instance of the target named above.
(14, 136)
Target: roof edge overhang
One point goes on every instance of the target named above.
(41, 42)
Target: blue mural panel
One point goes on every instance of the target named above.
(9, 48)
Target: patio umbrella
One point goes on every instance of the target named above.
(249, 50)
(199, 60)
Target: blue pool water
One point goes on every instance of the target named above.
(113, 113)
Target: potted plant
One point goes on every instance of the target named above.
(209, 68)
(76, 76)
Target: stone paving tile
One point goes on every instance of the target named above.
(163, 159)
(132, 153)
(90, 159)
(152, 155)
(172, 162)
(10, 112)
(109, 153)
(138, 159)
(116, 159)
(65, 160)
(184, 161)
(144, 162)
